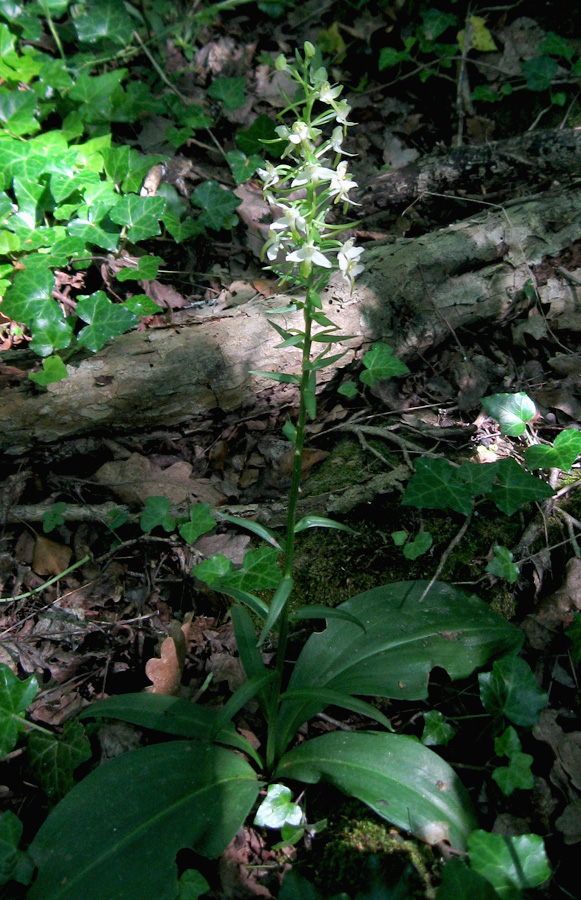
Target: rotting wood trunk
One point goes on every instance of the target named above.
(414, 294)
(534, 158)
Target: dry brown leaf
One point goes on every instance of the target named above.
(50, 558)
(569, 823)
(135, 479)
(165, 672)
(555, 612)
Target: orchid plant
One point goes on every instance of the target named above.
(117, 833)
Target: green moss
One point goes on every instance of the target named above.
(361, 848)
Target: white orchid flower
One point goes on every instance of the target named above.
(328, 94)
(269, 175)
(274, 245)
(309, 256)
(342, 110)
(341, 184)
(348, 259)
(291, 220)
(312, 173)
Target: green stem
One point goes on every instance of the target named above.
(290, 525)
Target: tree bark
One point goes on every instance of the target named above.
(533, 159)
(414, 294)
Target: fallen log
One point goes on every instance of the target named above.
(414, 294)
(533, 159)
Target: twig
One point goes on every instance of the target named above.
(46, 584)
(445, 555)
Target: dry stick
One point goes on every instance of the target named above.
(463, 99)
(445, 555)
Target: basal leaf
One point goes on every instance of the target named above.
(400, 779)
(461, 883)
(144, 806)
(403, 640)
(106, 320)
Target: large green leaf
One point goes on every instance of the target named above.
(170, 715)
(116, 834)
(511, 864)
(405, 637)
(399, 778)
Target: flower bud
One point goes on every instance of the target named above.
(281, 63)
(309, 50)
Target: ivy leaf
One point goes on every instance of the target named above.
(518, 773)
(420, 545)
(145, 270)
(53, 517)
(348, 389)
(511, 690)
(30, 296)
(243, 167)
(511, 864)
(259, 571)
(218, 204)
(15, 697)
(17, 112)
(201, 521)
(106, 320)
(141, 215)
(53, 759)
(92, 234)
(436, 730)
(511, 411)
(53, 370)
(380, 364)
(101, 20)
(539, 72)
(564, 452)
(435, 484)
(502, 565)
(553, 45)
(98, 95)
(142, 305)
(514, 487)
(261, 136)
(278, 809)
(192, 885)
(479, 478)
(14, 864)
(48, 336)
(230, 91)
(156, 513)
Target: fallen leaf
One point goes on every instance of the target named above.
(50, 558)
(165, 672)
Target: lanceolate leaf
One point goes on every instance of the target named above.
(170, 715)
(405, 637)
(144, 806)
(399, 778)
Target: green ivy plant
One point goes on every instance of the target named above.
(117, 832)
(72, 197)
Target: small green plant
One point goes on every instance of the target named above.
(97, 842)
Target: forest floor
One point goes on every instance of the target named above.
(98, 630)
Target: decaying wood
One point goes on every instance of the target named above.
(414, 294)
(534, 158)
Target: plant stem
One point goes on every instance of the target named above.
(290, 523)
